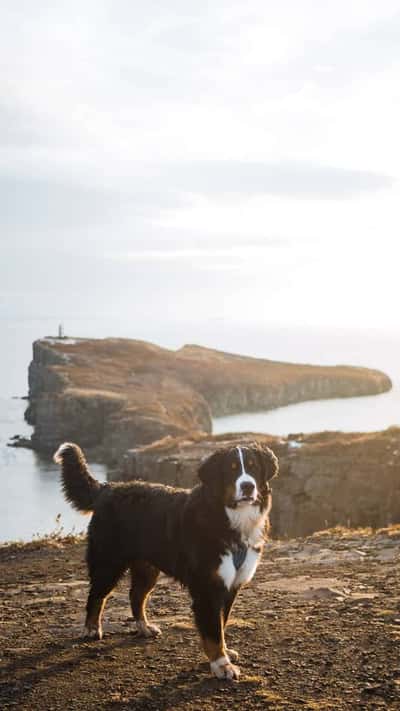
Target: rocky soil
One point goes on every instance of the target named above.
(318, 628)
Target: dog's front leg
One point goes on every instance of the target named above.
(229, 599)
(208, 613)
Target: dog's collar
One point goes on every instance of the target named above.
(239, 554)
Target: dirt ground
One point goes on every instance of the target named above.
(318, 628)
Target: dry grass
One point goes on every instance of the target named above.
(43, 541)
(343, 532)
(55, 539)
(392, 531)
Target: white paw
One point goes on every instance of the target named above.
(223, 669)
(232, 654)
(144, 629)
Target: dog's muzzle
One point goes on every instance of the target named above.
(247, 493)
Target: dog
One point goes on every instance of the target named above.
(209, 538)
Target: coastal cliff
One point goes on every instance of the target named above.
(326, 479)
(108, 394)
(115, 394)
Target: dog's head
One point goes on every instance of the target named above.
(239, 476)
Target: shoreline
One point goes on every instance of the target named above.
(111, 394)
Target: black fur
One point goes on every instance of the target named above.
(78, 485)
(149, 528)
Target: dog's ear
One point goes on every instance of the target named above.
(269, 462)
(210, 471)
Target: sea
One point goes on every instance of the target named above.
(31, 502)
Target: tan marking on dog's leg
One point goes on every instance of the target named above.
(213, 649)
(232, 654)
(93, 619)
(220, 664)
(229, 600)
(144, 578)
(143, 626)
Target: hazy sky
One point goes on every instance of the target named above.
(225, 160)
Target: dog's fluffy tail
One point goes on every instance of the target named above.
(79, 487)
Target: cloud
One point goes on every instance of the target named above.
(353, 54)
(40, 204)
(188, 136)
(45, 204)
(286, 178)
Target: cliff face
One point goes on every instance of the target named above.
(326, 479)
(114, 394)
(232, 383)
(108, 395)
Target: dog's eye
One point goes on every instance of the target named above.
(251, 463)
(234, 466)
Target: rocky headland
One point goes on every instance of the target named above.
(147, 411)
(112, 395)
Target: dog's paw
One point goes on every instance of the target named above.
(232, 654)
(144, 629)
(94, 633)
(223, 669)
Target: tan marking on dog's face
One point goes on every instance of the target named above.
(229, 492)
(239, 476)
(239, 467)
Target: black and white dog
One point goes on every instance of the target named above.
(209, 538)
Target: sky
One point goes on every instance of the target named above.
(194, 162)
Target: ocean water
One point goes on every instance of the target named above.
(362, 414)
(31, 501)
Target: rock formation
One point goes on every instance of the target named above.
(326, 479)
(111, 395)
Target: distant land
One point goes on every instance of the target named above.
(113, 395)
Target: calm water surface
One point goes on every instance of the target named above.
(31, 499)
(362, 414)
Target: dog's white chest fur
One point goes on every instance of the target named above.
(250, 523)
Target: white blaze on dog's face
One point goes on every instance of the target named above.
(239, 476)
(246, 491)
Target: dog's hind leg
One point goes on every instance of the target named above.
(101, 585)
(143, 579)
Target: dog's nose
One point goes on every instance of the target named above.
(247, 488)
